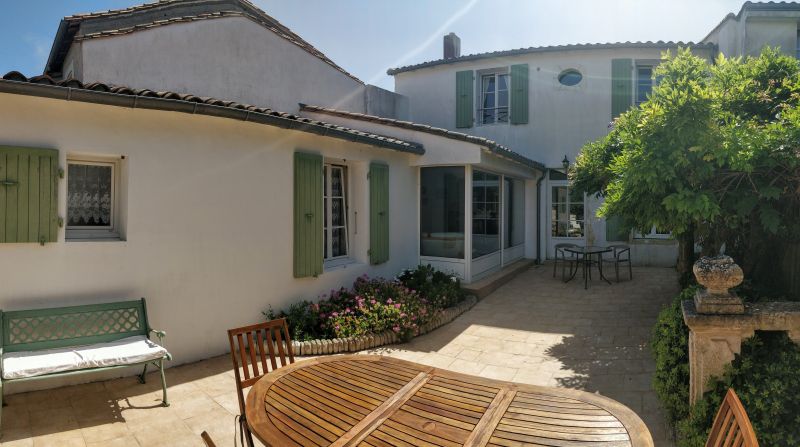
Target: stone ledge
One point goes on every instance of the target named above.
(771, 316)
(354, 344)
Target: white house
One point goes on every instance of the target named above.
(547, 102)
(122, 176)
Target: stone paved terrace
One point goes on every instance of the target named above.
(534, 330)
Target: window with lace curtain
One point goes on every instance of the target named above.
(92, 205)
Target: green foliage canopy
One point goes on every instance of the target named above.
(714, 152)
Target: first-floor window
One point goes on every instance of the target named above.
(644, 82)
(655, 233)
(441, 220)
(566, 216)
(92, 198)
(335, 204)
(494, 98)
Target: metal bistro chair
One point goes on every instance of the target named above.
(250, 346)
(732, 427)
(621, 254)
(572, 260)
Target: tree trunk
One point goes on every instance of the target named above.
(686, 257)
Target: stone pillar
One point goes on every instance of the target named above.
(709, 352)
(714, 346)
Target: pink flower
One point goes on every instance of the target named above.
(397, 305)
(334, 314)
(389, 301)
(347, 310)
(372, 301)
(396, 328)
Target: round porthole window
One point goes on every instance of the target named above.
(570, 77)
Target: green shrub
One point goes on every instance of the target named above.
(670, 346)
(765, 376)
(374, 305)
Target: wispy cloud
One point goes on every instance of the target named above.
(432, 37)
(40, 48)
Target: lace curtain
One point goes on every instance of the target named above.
(89, 195)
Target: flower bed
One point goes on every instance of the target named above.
(376, 310)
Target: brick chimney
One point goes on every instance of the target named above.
(452, 46)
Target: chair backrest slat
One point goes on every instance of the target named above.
(271, 348)
(251, 346)
(732, 427)
(243, 356)
(278, 339)
(247, 351)
(260, 338)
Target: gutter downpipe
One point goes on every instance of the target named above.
(539, 216)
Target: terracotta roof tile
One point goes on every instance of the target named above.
(491, 145)
(545, 49)
(15, 82)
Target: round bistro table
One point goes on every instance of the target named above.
(586, 254)
(376, 401)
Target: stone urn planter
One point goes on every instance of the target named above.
(718, 274)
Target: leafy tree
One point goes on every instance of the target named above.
(713, 156)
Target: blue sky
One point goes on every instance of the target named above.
(368, 36)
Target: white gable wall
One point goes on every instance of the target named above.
(230, 58)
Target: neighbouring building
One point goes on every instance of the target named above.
(202, 155)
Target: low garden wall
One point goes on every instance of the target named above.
(369, 341)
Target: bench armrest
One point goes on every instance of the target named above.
(159, 334)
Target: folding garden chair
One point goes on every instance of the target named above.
(732, 427)
(250, 346)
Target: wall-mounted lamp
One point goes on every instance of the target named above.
(565, 163)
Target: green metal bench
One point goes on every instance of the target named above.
(29, 331)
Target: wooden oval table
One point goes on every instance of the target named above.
(379, 401)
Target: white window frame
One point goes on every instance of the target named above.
(479, 87)
(652, 67)
(797, 44)
(327, 226)
(112, 231)
(568, 203)
(653, 234)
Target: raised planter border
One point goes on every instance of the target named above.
(369, 341)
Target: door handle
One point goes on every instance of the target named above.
(9, 182)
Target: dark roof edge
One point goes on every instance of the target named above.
(492, 146)
(548, 49)
(201, 108)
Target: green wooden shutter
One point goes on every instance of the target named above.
(28, 195)
(621, 86)
(519, 94)
(615, 230)
(378, 213)
(465, 102)
(308, 216)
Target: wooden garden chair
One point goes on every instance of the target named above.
(207, 439)
(250, 347)
(732, 427)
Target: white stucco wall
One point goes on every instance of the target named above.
(208, 224)
(230, 58)
(561, 119)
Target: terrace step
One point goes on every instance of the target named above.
(489, 284)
